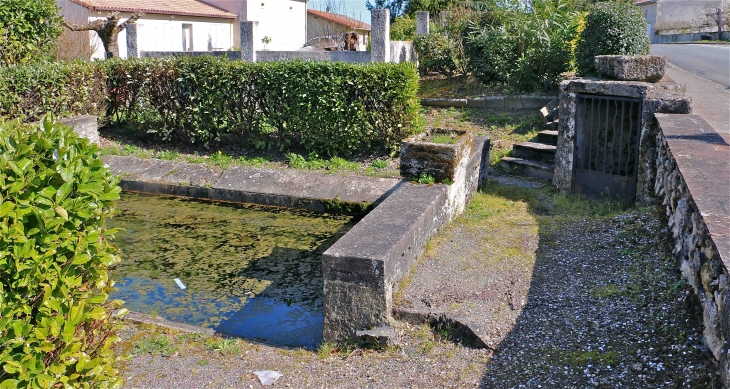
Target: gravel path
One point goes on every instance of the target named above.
(577, 302)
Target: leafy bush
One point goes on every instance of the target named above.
(63, 88)
(322, 107)
(436, 53)
(403, 29)
(442, 50)
(525, 49)
(611, 28)
(54, 316)
(28, 30)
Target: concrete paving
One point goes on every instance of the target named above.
(709, 99)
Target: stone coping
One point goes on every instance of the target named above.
(493, 102)
(277, 187)
(363, 269)
(703, 158)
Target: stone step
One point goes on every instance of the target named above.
(549, 137)
(552, 126)
(535, 151)
(529, 168)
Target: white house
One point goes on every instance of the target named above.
(284, 22)
(176, 25)
(325, 23)
(676, 17)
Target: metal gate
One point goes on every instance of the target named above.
(607, 131)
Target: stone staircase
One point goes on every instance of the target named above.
(536, 159)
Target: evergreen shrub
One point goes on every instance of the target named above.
(330, 108)
(55, 320)
(611, 28)
(62, 88)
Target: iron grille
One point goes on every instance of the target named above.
(607, 144)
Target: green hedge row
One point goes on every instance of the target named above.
(323, 107)
(55, 326)
(62, 88)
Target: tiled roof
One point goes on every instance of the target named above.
(340, 19)
(168, 7)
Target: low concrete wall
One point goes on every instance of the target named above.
(492, 102)
(673, 38)
(693, 185)
(402, 51)
(334, 56)
(161, 54)
(362, 270)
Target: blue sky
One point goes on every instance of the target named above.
(352, 8)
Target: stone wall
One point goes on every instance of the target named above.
(693, 185)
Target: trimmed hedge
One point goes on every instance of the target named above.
(61, 88)
(55, 193)
(611, 28)
(323, 107)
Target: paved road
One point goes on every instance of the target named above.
(705, 60)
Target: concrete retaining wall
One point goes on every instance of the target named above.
(693, 185)
(673, 38)
(362, 270)
(492, 102)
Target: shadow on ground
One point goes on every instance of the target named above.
(605, 306)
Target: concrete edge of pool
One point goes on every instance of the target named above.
(362, 269)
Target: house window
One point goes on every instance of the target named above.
(187, 37)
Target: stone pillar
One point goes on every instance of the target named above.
(380, 44)
(248, 40)
(444, 16)
(422, 22)
(132, 51)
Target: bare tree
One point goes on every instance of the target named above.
(108, 30)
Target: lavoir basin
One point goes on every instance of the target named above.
(242, 270)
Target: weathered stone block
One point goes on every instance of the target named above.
(648, 68)
(422, 22)
(384, 336)
(361, 270)
(420, 155)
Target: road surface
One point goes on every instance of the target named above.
(711, 61)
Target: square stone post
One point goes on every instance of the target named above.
(422, 22)
(380, 44)
(444, 16)
(248, 40)
(132, 41)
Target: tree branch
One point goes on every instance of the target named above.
(132, 19)
(93, 26)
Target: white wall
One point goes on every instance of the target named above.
(157, 32)
(284, 21)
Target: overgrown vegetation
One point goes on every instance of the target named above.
(28, 30)
(55, 194)
(526, 48)
(611, 28)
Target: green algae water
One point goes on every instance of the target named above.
(248, 271)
